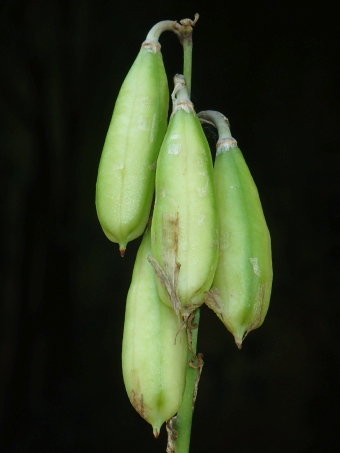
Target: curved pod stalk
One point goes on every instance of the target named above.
(184, 227)
(243, 280)
(154, 352)
(126, 174)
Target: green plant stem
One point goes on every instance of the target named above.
(184, 31)
(159, 28)
(187, 60)
(184, 416)
(218, 120)
(180, 430)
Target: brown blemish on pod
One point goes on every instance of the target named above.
(168, 277)
(213, 301)
(138, 404)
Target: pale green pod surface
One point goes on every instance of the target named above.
(155, 349)
(243, 280)
(184, 227)
(126, 174)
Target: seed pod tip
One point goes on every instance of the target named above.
(238, 342)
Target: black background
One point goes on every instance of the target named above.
(271, 68)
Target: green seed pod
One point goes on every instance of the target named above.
(126, 174)
(184, 228)
(154, 347)
(243, 280)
